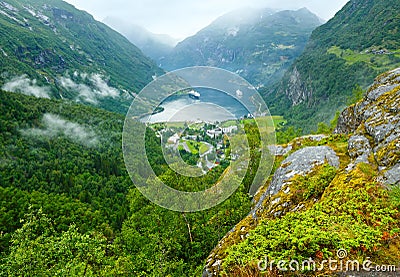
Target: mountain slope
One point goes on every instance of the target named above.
(257, 44)
(329, 193)
(155, 46)
(65, 160)
(361, 41)
(51, 49)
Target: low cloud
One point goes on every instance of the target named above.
(90, 89)
(55, 126)
(181, 19)
(98, 88)
(22, 84)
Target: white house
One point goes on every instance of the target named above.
(174, 139)
(214, 132)
(229, 129)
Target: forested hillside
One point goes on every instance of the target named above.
(66, 197)
(50, 49)
(68, 206)
(360, 42)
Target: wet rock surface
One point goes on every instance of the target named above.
(359, 150)
(391, 176)
(375, 121)
(348, 121)
(298, 163)
(301, 163)
(280, 150)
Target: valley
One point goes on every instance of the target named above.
(259, 45)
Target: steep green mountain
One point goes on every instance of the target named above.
(361, 41)
(155, 46)
(258, 44)
(51, 49)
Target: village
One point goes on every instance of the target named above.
(202, 144)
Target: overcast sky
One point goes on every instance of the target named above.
(182, 18)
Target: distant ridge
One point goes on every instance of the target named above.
(257, 44)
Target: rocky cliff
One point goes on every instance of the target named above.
(375, 125)
(326, 194)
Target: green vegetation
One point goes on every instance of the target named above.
(193, 146)
(355, 46)
(278, 121)
(287, 133)
(357, 95)
(353, 214)
(395, 196)
(190, 158)
(60, 40)
(69, 208)
(38, 250)
(313, 185)
(48, 166)
(88, 204)
(370, 57)
(203, 148)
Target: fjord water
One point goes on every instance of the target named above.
(213, 105)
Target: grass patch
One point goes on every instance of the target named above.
(278, 121)
(193, 146)
(228, 123)
(203, 148)
(374, 61)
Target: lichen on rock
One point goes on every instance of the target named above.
(359, 150)
(376, 117)
(300, 162)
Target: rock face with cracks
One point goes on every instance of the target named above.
(301, 163)
(375, 125)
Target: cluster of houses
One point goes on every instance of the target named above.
(212, 136)
(213, 133)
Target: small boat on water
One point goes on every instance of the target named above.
(194, 94)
